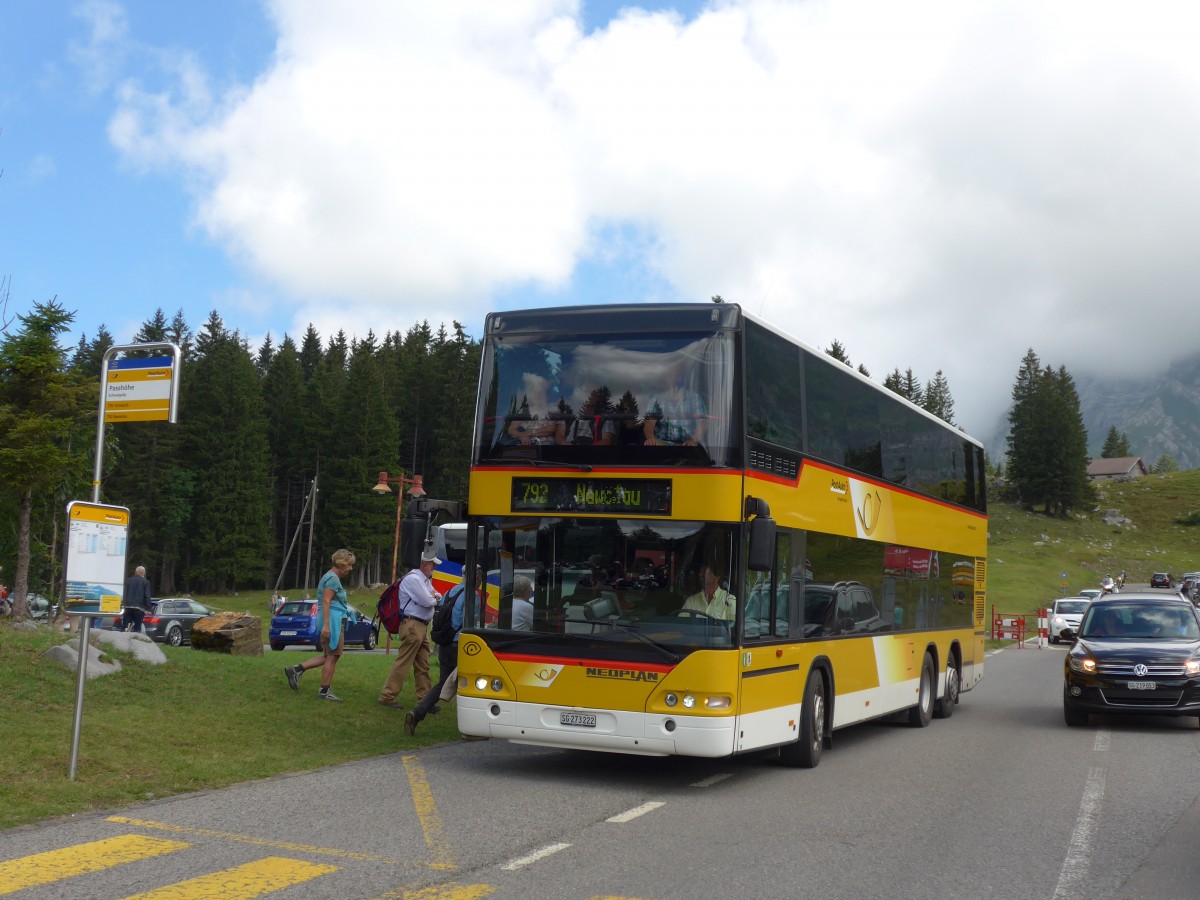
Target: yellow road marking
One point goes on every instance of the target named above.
(442, 892)
(431, 822)
(254, 879)
(246, 839)
(96, 856)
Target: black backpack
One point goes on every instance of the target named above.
(441, 627)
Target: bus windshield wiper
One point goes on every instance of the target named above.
(522, 639)
(661, 648)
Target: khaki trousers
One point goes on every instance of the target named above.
(414, 654)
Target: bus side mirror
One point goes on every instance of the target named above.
(762, 544)
(761, 557)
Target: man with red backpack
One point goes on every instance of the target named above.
(417, 599)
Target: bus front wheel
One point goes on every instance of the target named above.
(919, 715)
(806, 751)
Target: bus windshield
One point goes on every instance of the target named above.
(652, 585)
(663, 398)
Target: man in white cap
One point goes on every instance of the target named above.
(417, 601)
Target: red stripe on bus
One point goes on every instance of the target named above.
(607, 663)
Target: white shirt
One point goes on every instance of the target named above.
(522, 614)
(416, 595)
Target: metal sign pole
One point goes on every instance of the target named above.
(97, 471)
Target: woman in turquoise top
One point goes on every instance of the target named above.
(334, 612)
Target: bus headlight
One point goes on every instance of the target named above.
(481, 682)
(672, 699)
(497, 685)
(717, 702)
(689, 701)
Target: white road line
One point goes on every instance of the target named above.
(631, 814)
(1075, 866)
(533, 857)
(1102, 739)
(712, 779)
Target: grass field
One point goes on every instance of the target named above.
(1027, 553)
(203, 720)
(207, 720)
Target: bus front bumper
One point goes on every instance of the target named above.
(613, 731)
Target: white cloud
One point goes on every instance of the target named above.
(100, 56)
(936, 185)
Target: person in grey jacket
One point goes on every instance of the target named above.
(136, 602)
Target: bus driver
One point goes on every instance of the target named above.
(712, 599)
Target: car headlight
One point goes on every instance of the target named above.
(1192, 667)
(1083, 664)
(1058, 622)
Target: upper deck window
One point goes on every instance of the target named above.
(616, 399)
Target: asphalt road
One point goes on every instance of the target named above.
(1000, 801)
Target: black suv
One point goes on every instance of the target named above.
(1161, 580)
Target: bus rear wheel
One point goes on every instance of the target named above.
(944, 708)
(919, 715)
(805, 753)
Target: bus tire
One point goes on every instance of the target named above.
(805, 753)
(919, 715)
(944, 708)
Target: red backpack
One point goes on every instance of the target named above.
(388, 610)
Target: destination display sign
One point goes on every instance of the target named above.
(650, 496)
(139, 390)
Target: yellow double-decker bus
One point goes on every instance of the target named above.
(702, 537)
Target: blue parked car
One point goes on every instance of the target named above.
(299, 622)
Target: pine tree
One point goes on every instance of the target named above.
(1116, 444)
(42, 409)
(838, 352)
(894, 381)
(1166, 463)
(1023, 456)
(1069, 487)
(292, 464)
(227, 448)
(365, 445)
(911, 388)
(937, 398)
(1047, 441)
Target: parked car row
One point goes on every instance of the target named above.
(170, 621)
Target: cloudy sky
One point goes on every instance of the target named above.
(937, 185)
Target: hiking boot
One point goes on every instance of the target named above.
(293, 676)
(328, 695)
(410, 722)
(391, 704)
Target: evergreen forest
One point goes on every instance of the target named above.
(217, 499)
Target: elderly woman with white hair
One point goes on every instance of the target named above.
(522, 606)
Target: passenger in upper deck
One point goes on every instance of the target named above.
(593, 425)
(677, 416)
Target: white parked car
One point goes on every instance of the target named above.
(1064, 615)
